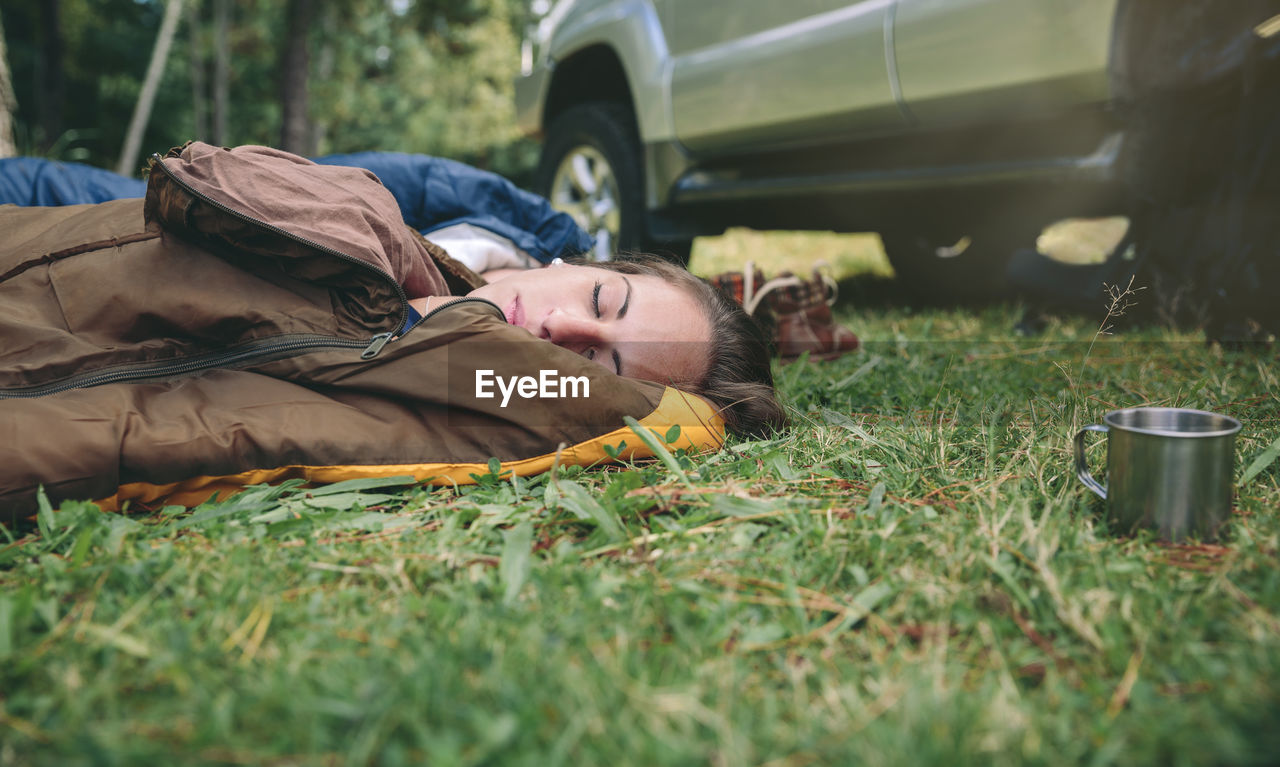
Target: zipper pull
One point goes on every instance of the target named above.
(375, 346)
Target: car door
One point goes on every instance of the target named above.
(764, 73)
(965, 61)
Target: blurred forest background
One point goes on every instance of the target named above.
(314, 77)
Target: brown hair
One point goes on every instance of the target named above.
(739, 377)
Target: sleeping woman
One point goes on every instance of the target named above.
(258, 317)
(644, 318)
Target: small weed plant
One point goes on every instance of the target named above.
(1119, 301)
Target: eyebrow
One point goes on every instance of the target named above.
(622, 311)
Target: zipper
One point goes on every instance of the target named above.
(136, 372)
(442, 307)
(382, 339)
(286, 345)
(158, 162)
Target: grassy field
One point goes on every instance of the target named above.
(911, 575)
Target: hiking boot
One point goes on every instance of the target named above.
(799, 310)
(804, 323)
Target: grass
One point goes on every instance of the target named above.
(911, 575)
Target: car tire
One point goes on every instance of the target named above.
(945, 265)
(592, 167)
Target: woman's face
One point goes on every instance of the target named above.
(636, 325)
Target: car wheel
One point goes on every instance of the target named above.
(592, 168)
(950, 265)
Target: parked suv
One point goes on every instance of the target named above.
(954, 128)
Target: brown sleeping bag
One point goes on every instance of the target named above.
(244, 323)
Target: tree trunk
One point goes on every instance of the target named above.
(295, 128)
(52, 79)
(199, 84)
(155, 70)
(8, 104)
(221, 70)
(324, 70)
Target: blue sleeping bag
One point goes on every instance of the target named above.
(433, 193)
(32, 181)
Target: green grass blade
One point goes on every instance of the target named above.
(356, 485)
(660, 450)
(577, 500)
(1264, 459)
(515, 565)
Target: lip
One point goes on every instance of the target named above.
(515, 311)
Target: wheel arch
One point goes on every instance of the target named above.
(613, 50)
(594, 73)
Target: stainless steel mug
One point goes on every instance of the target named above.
(1168, 469)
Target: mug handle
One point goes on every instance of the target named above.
(1082, 466)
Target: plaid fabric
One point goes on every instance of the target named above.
(812, 330)
(796, 298)
(798, 314)
(733, 284)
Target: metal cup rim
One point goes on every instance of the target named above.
(1230, 430)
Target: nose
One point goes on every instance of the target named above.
(572, 331)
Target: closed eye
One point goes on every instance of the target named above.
(590, 354)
